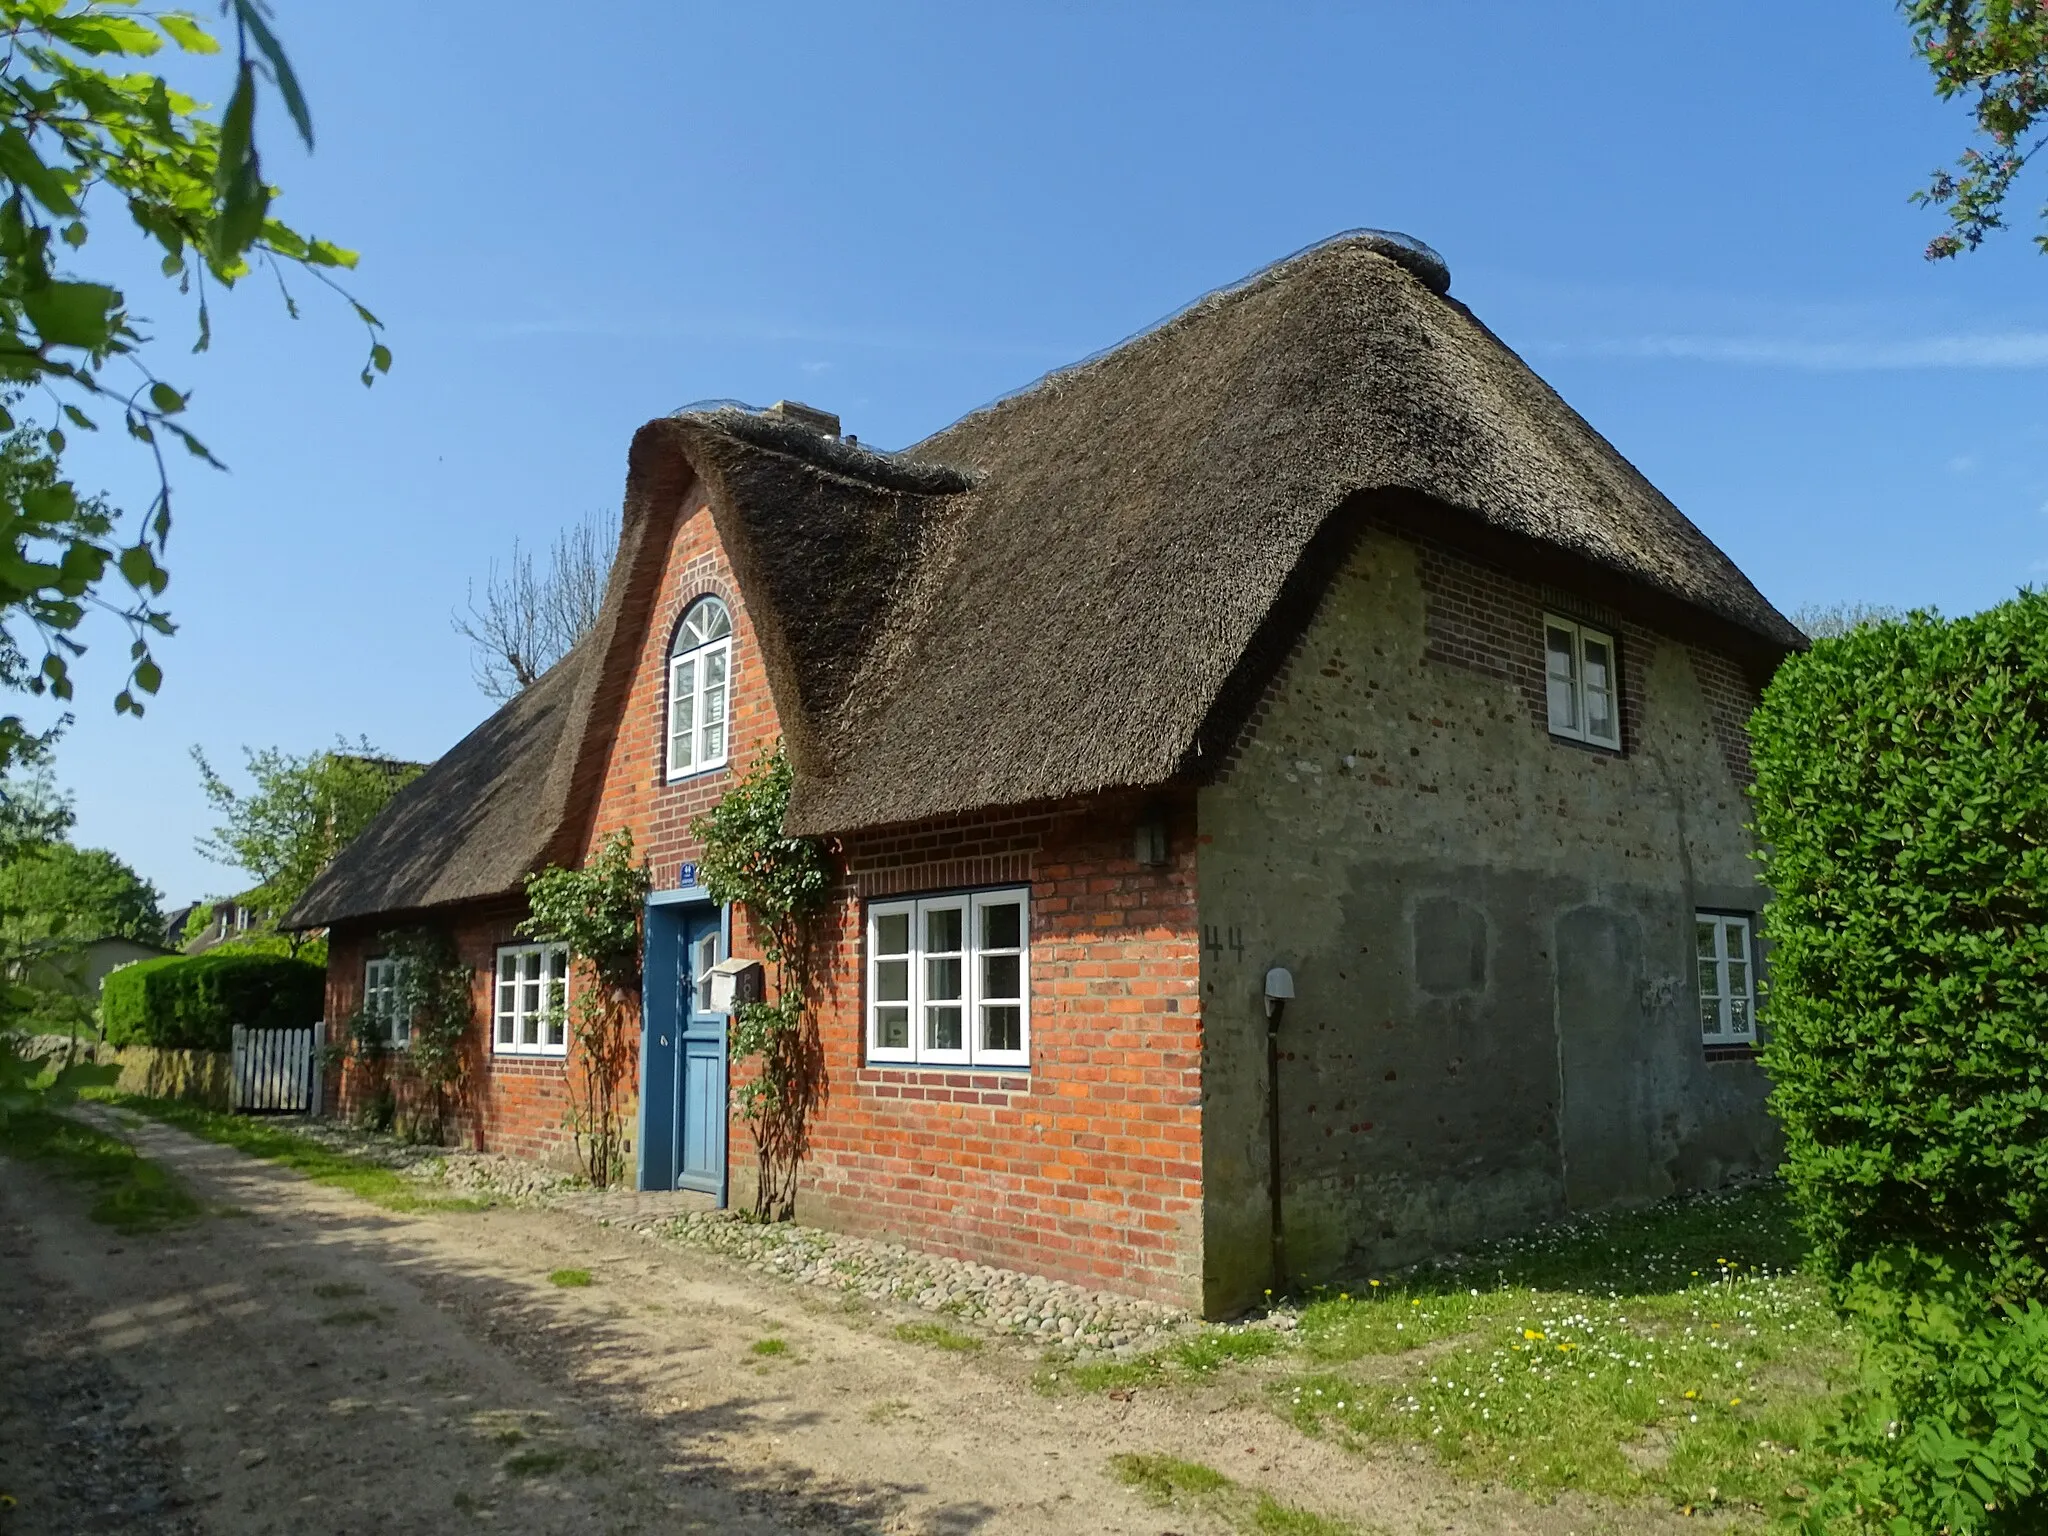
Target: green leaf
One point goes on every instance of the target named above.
(249, 14)
(79, 419)
(72, 314)
(96, 32)
(55, 438)
(187, 33)
(74, 234)
(149, 677)
(137, 565)
(165, 398)
(238, 177)
(20, 164)
(380, 358)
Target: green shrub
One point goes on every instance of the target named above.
(193, 1002)
(1902, 796)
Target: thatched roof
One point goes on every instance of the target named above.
(1138, 525)
(472, 825)
(1081, 587)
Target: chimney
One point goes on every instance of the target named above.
(798, 414)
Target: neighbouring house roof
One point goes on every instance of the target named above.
(1081, 587)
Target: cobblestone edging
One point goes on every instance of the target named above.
(1000, 1301)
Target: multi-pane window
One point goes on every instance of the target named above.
(1727, 979)
(531, 1016)
(703, 955)
(699, 689)
(1581, 683)
(383, 1002)
(948, 980)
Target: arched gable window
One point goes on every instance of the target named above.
(699, 686)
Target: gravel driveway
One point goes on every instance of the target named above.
(300, 1361)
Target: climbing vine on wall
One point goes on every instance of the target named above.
(596, 912)
(782, 882)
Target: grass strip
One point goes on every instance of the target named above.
(1211, 1350)
(938, 1336)
(1169, 1482)
(131, 1193)
(1680, 1353)
(309, 1159)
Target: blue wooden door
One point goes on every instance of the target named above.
(682, 1092)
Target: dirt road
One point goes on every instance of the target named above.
(300, 1361)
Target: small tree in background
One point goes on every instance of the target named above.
(1831, 621)
(1902, 798)
(596, 912)
(300, 814)
(530, 618)
(782, 882)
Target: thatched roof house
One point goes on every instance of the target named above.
(1285, 780)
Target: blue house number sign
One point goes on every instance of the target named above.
(687, 875)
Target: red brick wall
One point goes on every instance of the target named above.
(1085, 1167)
(636, 794)
(1088, 1167)
(515, 1104)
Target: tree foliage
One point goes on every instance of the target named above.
(57, 894)
(87, 134)
(596, 911)
(300, 812)
(1902, 795)
(530, 618)
(1994, 53)
(782, 883)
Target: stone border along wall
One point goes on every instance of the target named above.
(1005, 1302)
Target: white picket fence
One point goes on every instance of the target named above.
(277, 1070)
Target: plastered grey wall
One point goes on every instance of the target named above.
(1490, 933)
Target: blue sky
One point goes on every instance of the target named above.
(1691, 219)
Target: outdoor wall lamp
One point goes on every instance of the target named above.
(1279, 989)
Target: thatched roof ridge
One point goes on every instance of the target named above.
(1081, 587)
(1139, 521)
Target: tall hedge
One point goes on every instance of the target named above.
(1902, 796)
(193, 1002)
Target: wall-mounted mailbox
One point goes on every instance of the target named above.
(735, 983)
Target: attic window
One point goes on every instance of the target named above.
(699, 688)
(1581, 683)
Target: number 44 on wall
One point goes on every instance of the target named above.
(1216, 940)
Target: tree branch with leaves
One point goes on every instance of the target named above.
(1994, 53)
(83, 133)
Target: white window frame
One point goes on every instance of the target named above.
(697, 706)
(1727, 977)
(940, 981)
(530, 1002)
(706, 952)
(381, 978)
(1566, 692)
